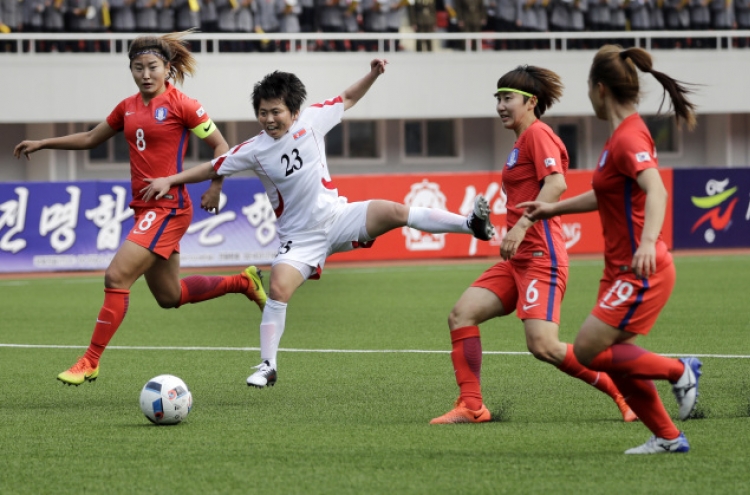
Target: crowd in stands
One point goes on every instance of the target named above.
(368, 16)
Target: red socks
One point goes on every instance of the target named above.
(637, 362)
(110, 316)
(632, 368)
(600, 381)
(467, 363)
(197, 288)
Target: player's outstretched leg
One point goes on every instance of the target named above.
(479, 220)
(656, 445)
(685, 389)
(80, 372)
(264, 377)
(255, 291)
(462, 414)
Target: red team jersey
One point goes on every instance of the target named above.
(537, 154)
(157, 137)
(620, 200)
(626, 301)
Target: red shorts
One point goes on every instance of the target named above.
(632, 304)
(160, 229)
(535, 292)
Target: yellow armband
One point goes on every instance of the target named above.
(205, 129)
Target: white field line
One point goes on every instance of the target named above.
(321, 351)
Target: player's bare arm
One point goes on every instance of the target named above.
(539, 210)
(211, 197)
(160, 186)
(644, 259)
(357, 90)
(554, 186)
(78, 141)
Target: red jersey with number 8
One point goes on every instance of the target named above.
(157, 135)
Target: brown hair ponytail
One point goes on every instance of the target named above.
(542, 83)
(615, 68)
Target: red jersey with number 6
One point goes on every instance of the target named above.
(157, 136)
(621, 202)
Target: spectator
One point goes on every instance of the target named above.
(246, 23)
(657, 20)
(146, 16)
(122, 16)
(742, 14)
(166, 16)
(506, 19)
(289, 12)
(54, 22)
(266, 21)
(374, 20)
(226, 22)
(577, 21)
(209, 21)
(423, 18)
(540, 7)
(32, 15)
(722, 16)
(10, 20)
(352, 14)
(640, 15)
(599, 19)
(676, 18)
(332, 21)
(187, 14)
(307, 21)
(700, 20)
(618, 19)
(396, 18)
(472, 15)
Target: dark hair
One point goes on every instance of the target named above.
(615, 68)
(542, 83)
(171, 48)
(280, 85)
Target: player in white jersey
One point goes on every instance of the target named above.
(313, 220)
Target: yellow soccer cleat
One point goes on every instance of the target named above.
(462, 414)
(80, 372)
(255, 291)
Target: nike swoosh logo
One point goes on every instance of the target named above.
(527, 307)
(476, 416)
(129, 113)
(102, 321)
(205, 129)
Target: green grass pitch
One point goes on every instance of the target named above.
(357, 422)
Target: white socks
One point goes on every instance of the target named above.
(436, 221)
(271, 329)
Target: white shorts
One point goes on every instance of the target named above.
(307, 251)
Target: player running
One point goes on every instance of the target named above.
(313, 220)
(156, 122)
(639, 273)
(532, 278)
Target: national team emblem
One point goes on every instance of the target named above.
(549, 162)
(603, 158)
(200, 112)
(512, 158)
(160, 114)
(643, 156)
(299, 134)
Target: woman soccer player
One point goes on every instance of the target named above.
(156, 122)
(533, 275)
(313, 220)
(639, 274)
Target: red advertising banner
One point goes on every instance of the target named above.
(455, 192)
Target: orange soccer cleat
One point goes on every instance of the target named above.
(255, 291)
(80, 372)
(462, 414)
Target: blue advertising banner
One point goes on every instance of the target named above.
(711, 208)
(46, 226)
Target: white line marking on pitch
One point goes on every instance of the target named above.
(322, 351)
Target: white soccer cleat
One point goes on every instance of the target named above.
(656, 445)
(685, 389)
(264, 377)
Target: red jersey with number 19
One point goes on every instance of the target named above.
(621, 201)
(157, 137)
(538, 152)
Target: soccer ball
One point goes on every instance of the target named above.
(166, 400)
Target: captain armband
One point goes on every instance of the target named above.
(205, 129)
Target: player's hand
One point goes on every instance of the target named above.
(510, 243)
(536, 210)
(156, 188)
(210, 199)
(378, 65)
(26, 148)
(644, 260)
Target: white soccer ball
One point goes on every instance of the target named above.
(166, 400)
